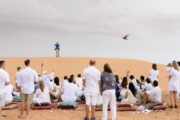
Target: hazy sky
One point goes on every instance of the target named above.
(91, 28)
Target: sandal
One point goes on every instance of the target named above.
(175, 106)
(170, 106)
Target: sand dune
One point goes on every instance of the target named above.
(68, 66)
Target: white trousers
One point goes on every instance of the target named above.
(109, 96)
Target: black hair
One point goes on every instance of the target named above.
(56, 80)
(65, 77)
(148, 80)
(132, 77)
(179, 63)
(71, 79)
(18, 68)
(155, 83)
(2, 63)
(142, 77)
(27, 62)
(132, 89)
(72, 76)
(117, 79)
(79, 75)
(107, 68)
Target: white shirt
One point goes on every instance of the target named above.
(4, 78)
(70, 93)
(92, 76)
(64, 84)
(26, 80)
(148, 87)
(134, 81)
(154, 75)
(46, 80)
(42, 97)
(9, 90)
(156, 93)
(79, 81)
(17, 75)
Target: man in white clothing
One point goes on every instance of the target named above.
(17, 75)
(152, 96)
(79, 83)
(4, 81)
(91, 80)
(69, 93)
(26, 79)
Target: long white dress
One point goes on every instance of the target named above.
(130, 98)
(174, 80)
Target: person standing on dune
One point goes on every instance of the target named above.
(4, 81)
(57, 49)
(91, 81)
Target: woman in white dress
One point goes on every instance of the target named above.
(124, 87)
(154, 73)
(130, 97)
(174, 78)
(42, 94)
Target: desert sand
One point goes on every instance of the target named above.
(68, 66)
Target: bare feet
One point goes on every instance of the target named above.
(28, 117)
(20, 117)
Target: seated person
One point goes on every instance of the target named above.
(124, 87)
(130, 97)
(56, 88)
(142, 83)
(69, 93)
(79, 83)
(152, 96)
(117, 85)
(9, 91)
(134, 81)
(42, 94)
(148, 85)
(65, 82)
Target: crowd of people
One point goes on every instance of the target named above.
(35, 89)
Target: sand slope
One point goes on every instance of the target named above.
(67, 66)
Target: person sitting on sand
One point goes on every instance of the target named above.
(79, 83)
(154, 73)
(69, 93)
(124, 86)
(134, 81)
(17, 75)
(108, 92)
(142, 83)
(65, 82)
(4, 81)
(152, 96)
(42, 94)
(173, 82)
(56, 88)
(130, 96)
(9, 91)
(148, 85)
(117, 86)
